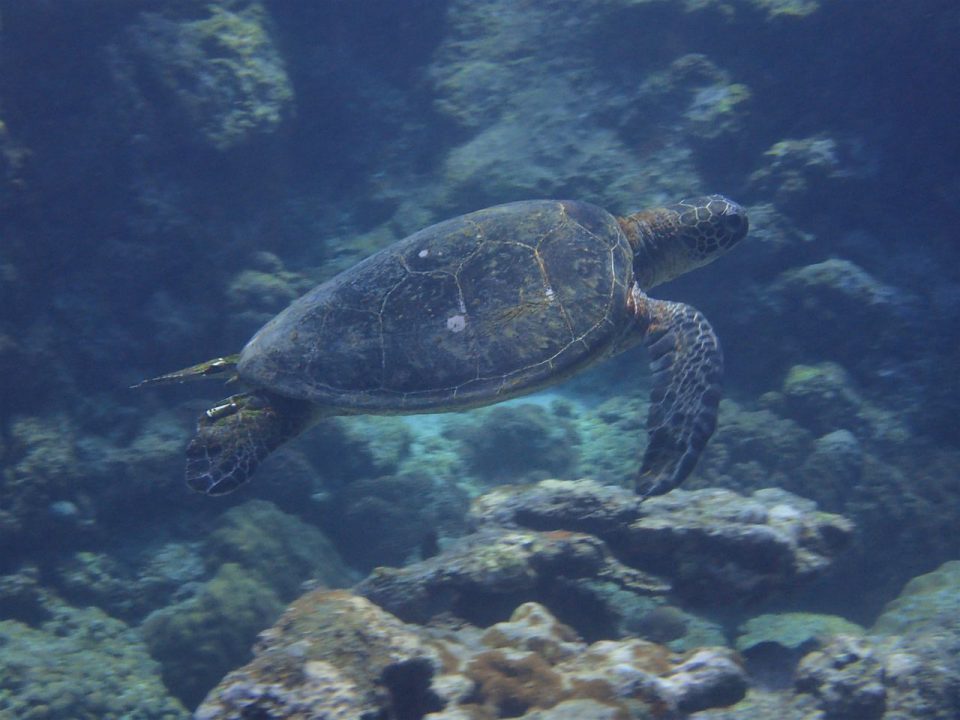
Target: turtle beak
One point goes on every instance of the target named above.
(733, 223)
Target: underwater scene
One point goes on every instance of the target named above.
(479, 359)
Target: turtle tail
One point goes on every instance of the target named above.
(216, 368)
(234, 437)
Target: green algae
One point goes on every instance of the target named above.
(793, 630)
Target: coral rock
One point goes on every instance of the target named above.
(335, 655)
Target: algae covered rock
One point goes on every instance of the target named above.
(483, 575)
(847, 679)
(895, 678)
(708, 543)
(537, 125)
(330, 655)
(693, 95)
(80, 665)
(824, 301)
(715, 543)
(832, 473)
(219, 77)
(797, 168)
(753, 449)
(277, 548)
(822, 397)
(773, 644)
(198, 640)
(258, 293)
(581, 505)
(929, 603)
(559, 542)
(825, 398)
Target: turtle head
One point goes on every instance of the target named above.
(669, 241)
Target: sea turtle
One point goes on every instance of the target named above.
(475, 310)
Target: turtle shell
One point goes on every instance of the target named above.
(467, 312)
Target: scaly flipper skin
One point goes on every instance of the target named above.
(687, 370)
(234, 436)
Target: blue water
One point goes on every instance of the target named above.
(172, 175)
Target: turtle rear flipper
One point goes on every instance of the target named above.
(234, 437)
(687, 367)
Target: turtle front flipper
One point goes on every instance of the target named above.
(687, 367)
(235, 435)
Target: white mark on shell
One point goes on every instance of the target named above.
(423, 253)
(549, 292)
(456, 323)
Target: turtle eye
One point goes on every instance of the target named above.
(732, 226)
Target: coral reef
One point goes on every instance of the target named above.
(22, 597)
(40, 464)
(133, 585)
(261, 556)
(338, 655)
(484, 574)
(552, 541)
(906, 667)
(171, 173)
(385, 521)
(866, 678)
(345, 449)
(515, 443)
(81, 665)
(540, 126)
(608, 438)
